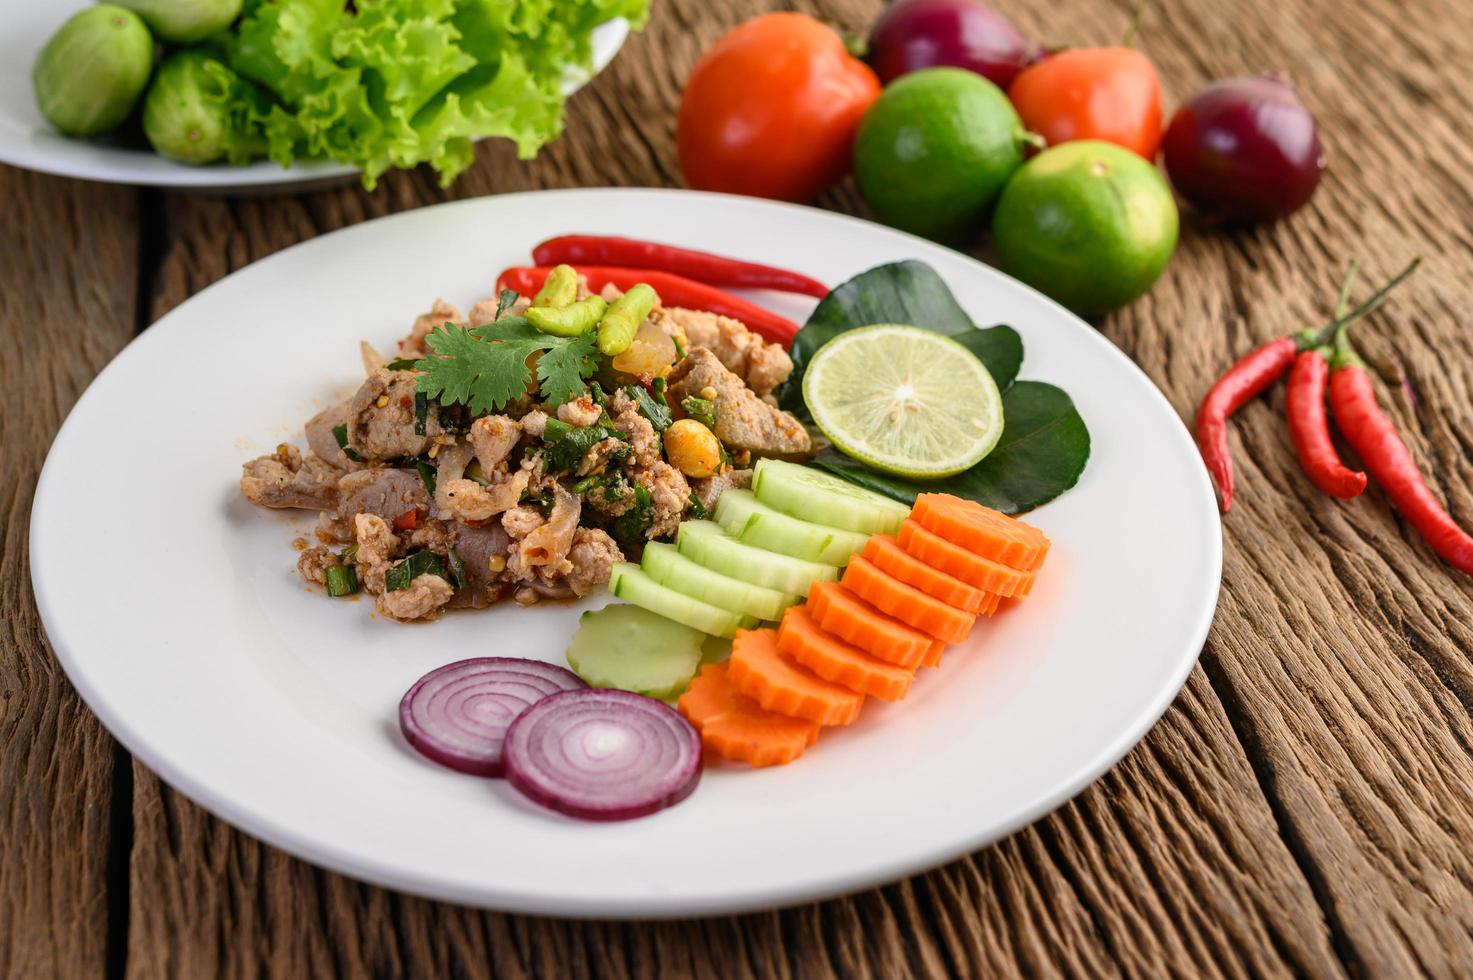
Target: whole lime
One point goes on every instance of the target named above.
(90, 74)
(1089, 223)
(934, 151)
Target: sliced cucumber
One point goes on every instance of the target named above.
(666, 565)
(822, 498)
(705, 543)
(715, 649)
(635, 650)
(632, 585)
(752, 522)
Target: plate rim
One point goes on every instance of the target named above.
(489, 896)
(259, 176)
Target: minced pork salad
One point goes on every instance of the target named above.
(526, 447)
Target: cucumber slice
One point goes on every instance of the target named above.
(822, 498)
(715, 650)
(666, 565)
(705, 543)
(632, 585)
(752, 522)
(635, 650)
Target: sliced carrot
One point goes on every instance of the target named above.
(855, 621)
(933, 655)
(906, 602)
(887, 555)
(991, 603)
(735, 727)
(982, 530)
(956, 561)
(800, 637)
(777, 683)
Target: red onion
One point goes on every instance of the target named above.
(458, 714)
(915, 34)
(1244, 149)
(603, 754)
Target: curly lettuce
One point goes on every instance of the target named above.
(396, 83)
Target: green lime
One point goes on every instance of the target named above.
(904, 400)
(1089, 223)
(934, 151)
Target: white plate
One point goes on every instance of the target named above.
(177, 613)
(27, 140)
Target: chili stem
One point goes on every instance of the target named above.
(1313, 338)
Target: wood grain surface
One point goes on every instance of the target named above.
(1304, 808)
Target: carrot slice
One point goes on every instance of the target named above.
(736, 727)
(906, 602)
(887, 555)
(800, 637)
(933, 655)
(855, 621)
(982, 530)
(761, 672)
(956, 561)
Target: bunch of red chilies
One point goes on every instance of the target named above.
(1315, 358)
(681, 276)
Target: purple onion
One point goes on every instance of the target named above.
(1244, 149)
(458, 715)
(603, 754)
(915, 34)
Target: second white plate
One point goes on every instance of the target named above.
(27, 140)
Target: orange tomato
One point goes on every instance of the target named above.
(771, 110)
(1108, 94)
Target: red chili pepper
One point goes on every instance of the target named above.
(1373, 436)
(1242, 382)
(1309, 427)
(1253, 373)
(674, 291)
(407, 521)
(714, 270)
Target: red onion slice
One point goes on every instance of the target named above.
(458, 714)
(603, 754)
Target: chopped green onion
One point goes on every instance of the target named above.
(679, 349)
(426, 474)
(698, 511)
(341, 580)
(655, 410)
(700, 409)
(411, 568)
(555, 430)
(349, 554)
(657, 386)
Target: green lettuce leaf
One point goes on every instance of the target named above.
(396, 83)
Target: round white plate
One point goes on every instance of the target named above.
(176, 610)
(27, 140)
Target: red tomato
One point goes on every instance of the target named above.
(771, 110)
(1092, 94)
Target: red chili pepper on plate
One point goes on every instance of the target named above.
(1375, 439)
(714, 270)
(1309, 426)
(407, 521)
(1251, 375)
(674, 291)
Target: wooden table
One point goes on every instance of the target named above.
(1306, 805)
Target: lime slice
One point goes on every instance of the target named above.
(904, 400)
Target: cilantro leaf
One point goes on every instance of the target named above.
(563, 368)
(486, 367)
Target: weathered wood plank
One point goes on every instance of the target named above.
(68, 286)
